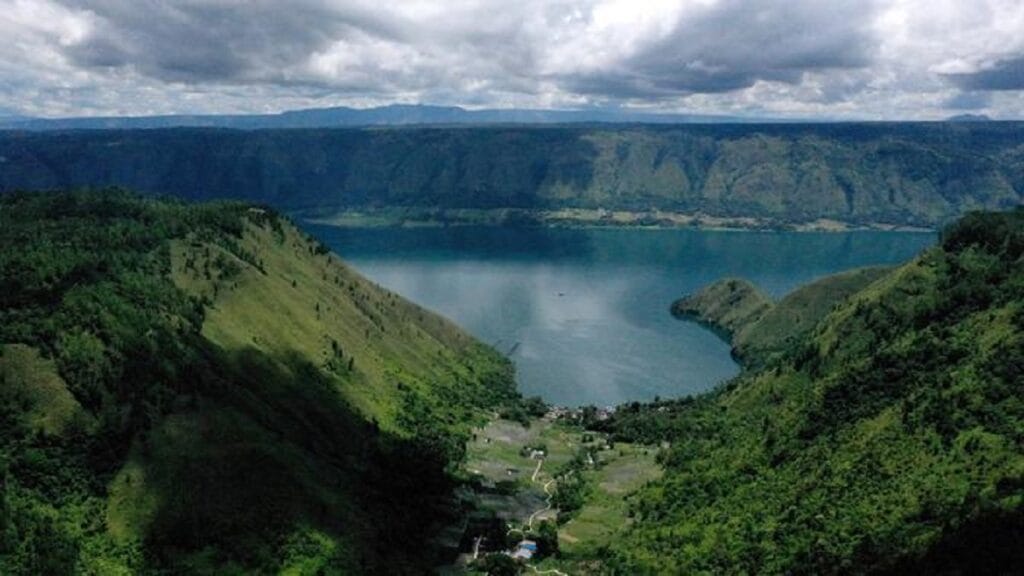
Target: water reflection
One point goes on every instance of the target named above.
(584, 312)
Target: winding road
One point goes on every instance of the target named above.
(546, 508)
(550, 571)
(547, 490)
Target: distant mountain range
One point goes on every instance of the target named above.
(392, 115)
(395, 115)
(903, 174)
(969, 118)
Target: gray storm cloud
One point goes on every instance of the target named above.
(1005, 74)
(213, 41)
(734, 43)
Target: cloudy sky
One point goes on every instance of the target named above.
(855, 59)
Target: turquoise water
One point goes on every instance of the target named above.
(584, 312)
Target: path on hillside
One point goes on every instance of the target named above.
(547, 507)
(549, 571)
(547, 500)
(476, 547)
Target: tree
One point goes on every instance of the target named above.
(547, 539)
(500, 565)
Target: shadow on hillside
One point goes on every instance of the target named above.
(985, 545)
(271, 448)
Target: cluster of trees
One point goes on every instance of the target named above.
(499, 563)
(888, 440)
(524, 410)
(571, 486)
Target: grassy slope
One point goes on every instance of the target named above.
(624, 469)
(311, 304)
(889, 441)
(32, 382)
(139, 435)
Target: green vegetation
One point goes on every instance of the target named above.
(760, 329)
(729, 307)
(526, 411)
(887, 439)
(203, 389)
(797, 313)
(920, 174)
(617, 474)
(590, 483)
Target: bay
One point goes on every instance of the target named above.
(583, 313)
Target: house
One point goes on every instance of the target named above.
(525, 550)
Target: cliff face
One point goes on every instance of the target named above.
(904, 174)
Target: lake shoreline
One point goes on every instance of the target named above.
(587, 306)
(421, 217)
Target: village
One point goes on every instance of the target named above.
(546, 491)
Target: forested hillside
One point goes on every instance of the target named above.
(887, 439)
(921, 174)
(205, 390)
(759, 328)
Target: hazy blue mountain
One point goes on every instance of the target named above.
(969, 118)
(395, 114)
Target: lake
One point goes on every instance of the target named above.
(584, 313)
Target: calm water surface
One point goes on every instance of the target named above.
(584, 312)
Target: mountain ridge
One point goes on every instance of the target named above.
(389, 115)
(919, 175)
(204, 389)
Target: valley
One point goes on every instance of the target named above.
(478, 288)
(208, 388)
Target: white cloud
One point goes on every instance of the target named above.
(891, 59)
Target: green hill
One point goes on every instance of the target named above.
(204, 389)
(798, 312)
(888, 439)
(759, 328)
(729, 307)
(921, 174)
